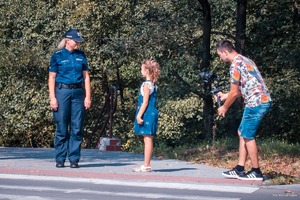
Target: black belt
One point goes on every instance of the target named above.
(69, 86)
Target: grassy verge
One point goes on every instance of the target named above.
(279, 161)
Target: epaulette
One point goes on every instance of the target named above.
(58, 51)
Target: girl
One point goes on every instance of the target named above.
(146, 120)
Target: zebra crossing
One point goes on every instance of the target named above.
(15, 187)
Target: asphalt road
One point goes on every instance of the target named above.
(27, 173)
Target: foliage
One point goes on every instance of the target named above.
(119, 35)
(279, 62)
(24, 100)
(179, 119)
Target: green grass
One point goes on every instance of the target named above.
(271, 147)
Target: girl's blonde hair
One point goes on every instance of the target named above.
(61, 44)
(154, 69)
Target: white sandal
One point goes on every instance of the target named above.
(142, 168)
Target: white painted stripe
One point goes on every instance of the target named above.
(22, 197)
(142, 183)
(127, 194)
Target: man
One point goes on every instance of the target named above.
(245, 81)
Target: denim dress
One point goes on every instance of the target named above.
(150, 116)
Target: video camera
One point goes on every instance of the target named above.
(210, 78)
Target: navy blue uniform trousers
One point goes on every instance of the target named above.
(69, 119)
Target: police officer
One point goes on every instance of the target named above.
(70, 94)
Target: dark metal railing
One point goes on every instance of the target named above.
(108, 109)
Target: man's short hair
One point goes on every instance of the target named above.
(225, 45)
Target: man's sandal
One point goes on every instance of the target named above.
(142, 168)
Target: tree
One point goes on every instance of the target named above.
(119, 35)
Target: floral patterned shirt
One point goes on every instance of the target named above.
(244, 71)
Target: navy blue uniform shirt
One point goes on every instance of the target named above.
(68, 66)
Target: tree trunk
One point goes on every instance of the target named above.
(208, 112)
(241, 26)
(206, 57)
(240, 45)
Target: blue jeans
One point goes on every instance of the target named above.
(252, 117)
(68, 118)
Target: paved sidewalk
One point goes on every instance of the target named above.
(110, 165)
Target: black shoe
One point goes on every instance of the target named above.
(74, 165)
(60, 164)
(252, 175)
(234, 173)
